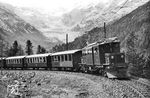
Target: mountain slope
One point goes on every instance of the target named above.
(13, 28)
(138, 21)
(79, 19)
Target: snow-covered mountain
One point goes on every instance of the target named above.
(78, 20)
(12, 28)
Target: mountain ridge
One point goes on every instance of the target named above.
(12, 28)
(79, 20)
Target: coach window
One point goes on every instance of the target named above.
(36, 60)
(30, 60)
(62, 57)
(65, 57)
(43, 59)
(58, 58)
(40, 60)
(70, 58)
(14, 61)
(33, 60)
(17, 61)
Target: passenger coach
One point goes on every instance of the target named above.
(66, 60)
(15, 62)
(39, 61)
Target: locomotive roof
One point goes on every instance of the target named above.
(66, 52)
(15, 57)
(38, 55)
(103, 41)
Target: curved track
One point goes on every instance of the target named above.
(118, 88)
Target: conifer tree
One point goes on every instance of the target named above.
(15, 48)
(38, 49)
(41, 49)
(29, 47)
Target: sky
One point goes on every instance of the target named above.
(53, 5)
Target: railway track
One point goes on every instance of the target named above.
(118, 88)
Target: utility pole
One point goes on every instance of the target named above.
(104, 30)
(66, 41)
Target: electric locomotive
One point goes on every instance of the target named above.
(104, 57)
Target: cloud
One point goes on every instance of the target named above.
(53, 5)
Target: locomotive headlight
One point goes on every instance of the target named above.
(122, 56)
(108, 67)
(112, 57)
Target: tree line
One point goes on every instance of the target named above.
(16, 49)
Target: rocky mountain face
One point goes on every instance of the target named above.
(12, 28)
(138, 22)
(78, 20)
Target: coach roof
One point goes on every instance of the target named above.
(38, 55)
(15, 57)
(66, 52)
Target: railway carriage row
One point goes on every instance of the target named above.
(103, 57)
